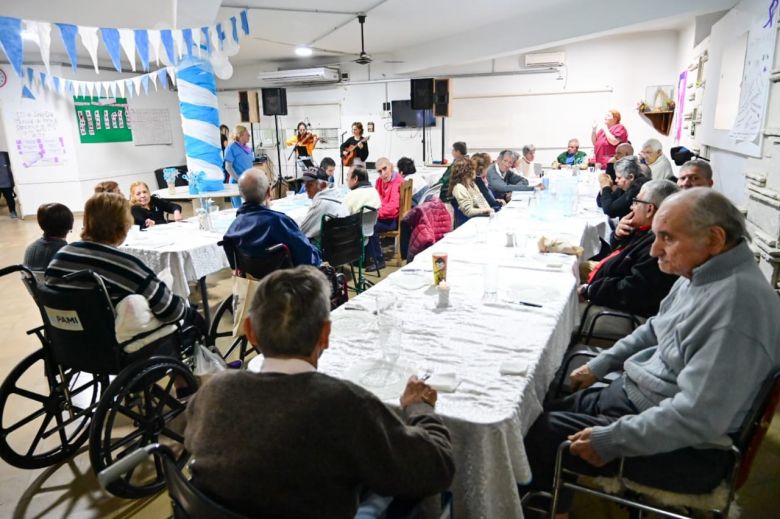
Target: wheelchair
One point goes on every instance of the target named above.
(82, 385)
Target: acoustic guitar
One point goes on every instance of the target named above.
(350, 152)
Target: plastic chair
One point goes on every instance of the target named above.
(632, 319)
(405, 204)
(370, 215)
(341, 243)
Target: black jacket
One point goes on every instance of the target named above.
(489, 198)
(631, 280)
(157, 212)
(617, 203)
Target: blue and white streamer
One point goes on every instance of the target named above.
(200, 121)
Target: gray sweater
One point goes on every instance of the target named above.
(694, 370)
(305, 445)
(501, 184)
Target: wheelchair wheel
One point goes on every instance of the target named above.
(44, 412)
(137, 409)
(221, 334)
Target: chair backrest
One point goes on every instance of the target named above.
(370, 216)
(79, 325)
(460, 217)
(188, 501)
(274, 258)
(341, 240)
(405, 200)
(180, 181)
(756, 424)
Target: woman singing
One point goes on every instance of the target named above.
(354, 151)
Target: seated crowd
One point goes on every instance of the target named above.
(678, 259)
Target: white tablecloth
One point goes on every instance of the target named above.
(489, 413)
(183, 193)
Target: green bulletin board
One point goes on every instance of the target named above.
(102, 119)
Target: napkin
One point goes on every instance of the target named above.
(514, 367)
(444, 382)
(547, 244)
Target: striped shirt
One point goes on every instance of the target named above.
(123, 274)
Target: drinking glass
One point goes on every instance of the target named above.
(520, 245)
(490, 281)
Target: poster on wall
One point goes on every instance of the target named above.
(39, 141)
(682, 86)
(754, 89)
(102, 119)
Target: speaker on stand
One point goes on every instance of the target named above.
(422, 99)
(275, 103)
(441, 105)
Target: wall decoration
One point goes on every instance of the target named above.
(102, 119)
(150, 126)
(39, 141)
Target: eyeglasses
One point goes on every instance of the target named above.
(635, 201)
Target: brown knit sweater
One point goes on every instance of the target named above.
(302, 446)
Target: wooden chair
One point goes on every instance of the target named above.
(404, 205)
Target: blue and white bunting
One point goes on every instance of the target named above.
(111, 41)
(127, 41)
(11, 41)
(68, 34)
(142, 47)
(89, 39)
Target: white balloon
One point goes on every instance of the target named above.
(223, 70)
(230, 48)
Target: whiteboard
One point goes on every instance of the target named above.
(501, 121)
(150, 126)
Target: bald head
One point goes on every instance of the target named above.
(253, 185)
(623, 150)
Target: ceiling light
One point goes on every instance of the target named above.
(303, 51)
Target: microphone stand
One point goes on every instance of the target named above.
(278, 157)
(341, 157)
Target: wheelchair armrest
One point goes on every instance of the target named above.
(565, 367)
(126, 464)
(15, 268)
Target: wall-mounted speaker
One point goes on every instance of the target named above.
(441, 98)
(274, 101)
(248, 106)
(422, 94)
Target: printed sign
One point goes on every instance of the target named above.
(64, 319)
(102, 119)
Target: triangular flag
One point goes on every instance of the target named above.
(178, 38)
(207, 39)
(68, 87)
(162, 75)
(167, 40)
(90, 88)
(68, 33)
(111, 41)
(74, 85)
(145, 83)
(43, 79)
(11, 41)
(127, 40)
(40, 32)
(171, 74)
(55, 81)
(220, 35)
(244, 22)
(121, 85)
(195, 40)
(142, 47)
(129, 84)
(112, 89)
(187, 35)
(26, 92)
(89, 38)
(30, 73)
(137, 84)
(234, 28)
(153, 79)
(154, 45)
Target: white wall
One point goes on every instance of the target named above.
(626, 64)
(86, 164)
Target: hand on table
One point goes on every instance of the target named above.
(625, 226)
(582, 377)
(149, 222)
(581, 446)
(501, 202)
(604, 180)
(418, 391)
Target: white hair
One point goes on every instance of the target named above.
(253, 185)
(652, 145)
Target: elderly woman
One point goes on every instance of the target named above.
(466, 195)
(107, 220)
(660, 167)
(148, 210)
(606, 138)
(238, 158)
(482, 162)
(616, 199)
(108, 186)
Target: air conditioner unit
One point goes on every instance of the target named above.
(545, 59)
(300, 76)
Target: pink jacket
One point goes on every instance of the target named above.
(428, 223)
(390, 194)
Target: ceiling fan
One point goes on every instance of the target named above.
(363, 58)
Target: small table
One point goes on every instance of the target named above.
(183, 193)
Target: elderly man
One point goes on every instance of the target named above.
(361, 193)
(257, 227)
(388, 185)
(572, 156)
(623, 150)
(525, 164)
(501, 180)
(459, 150)
(652, 152)
(292, 442)
(629, 279)
(615, 199)
(324, 200)
(695, 173)
(691, 373)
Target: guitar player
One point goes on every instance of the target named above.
(355, 145)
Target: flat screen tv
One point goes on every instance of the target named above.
(405, 117)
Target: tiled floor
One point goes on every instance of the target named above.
(71, 490)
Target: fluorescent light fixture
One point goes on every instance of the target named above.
(303, 51)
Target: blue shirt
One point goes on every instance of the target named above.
(240, 158)
(257, 227)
